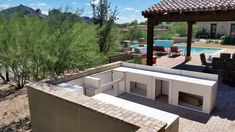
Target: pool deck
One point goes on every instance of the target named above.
(171, 62)
(222, 119)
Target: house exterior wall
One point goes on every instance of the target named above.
(223, 28)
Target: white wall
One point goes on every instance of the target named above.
(222, 27)
(105, 77)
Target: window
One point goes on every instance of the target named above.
(232, 33)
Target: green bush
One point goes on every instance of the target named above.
(165, 35)
(176, 29)
(135, 33)
(227, 39)
(179, 28)
(34, 49)
(202, 32)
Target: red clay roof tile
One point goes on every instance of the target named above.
(171, 6)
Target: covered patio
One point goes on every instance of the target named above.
(190, 11)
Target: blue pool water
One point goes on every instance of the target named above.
(194, 50)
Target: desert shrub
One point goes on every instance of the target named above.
(202, 32)
(227, 39)
(135, 33)
(34, 49)
(165, 35)
(179, 28)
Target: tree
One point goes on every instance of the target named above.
(179, 28)
(134, 23)
(135, 33)
(105, 18)
(34, 49)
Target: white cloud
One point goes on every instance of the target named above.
(130, 9)
(45, 12)
(42, 4)
(136, 11)
(4, 6)
(95, 2)
(88, 4)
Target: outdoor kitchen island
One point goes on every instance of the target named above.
(151, 83)
(91, 100)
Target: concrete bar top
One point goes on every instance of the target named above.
(167, 76)
(138, 108)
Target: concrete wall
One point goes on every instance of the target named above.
(222, 27)
(122, 85)
(179, 40)
(52, 114)
(173, 71)
(81, 74)
(105, 77)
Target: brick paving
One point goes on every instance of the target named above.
(222, 118)
(172, 62)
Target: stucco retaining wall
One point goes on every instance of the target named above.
(52, 114)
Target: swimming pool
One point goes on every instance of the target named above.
(194, 50)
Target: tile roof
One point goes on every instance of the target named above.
(171, 6)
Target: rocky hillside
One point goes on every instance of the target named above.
(22, 10)
(27, 11)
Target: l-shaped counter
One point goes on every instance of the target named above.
(199, 84)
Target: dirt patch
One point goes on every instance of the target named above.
(6, 90)
(14, 109)
(22, 125)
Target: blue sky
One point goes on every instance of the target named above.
(129, 10)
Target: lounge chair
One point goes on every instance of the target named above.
(225, 56)
(175, 51)
(160, 49)
(204, 62)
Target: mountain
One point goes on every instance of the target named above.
(69, 16)
(22, 10)
(27, 11)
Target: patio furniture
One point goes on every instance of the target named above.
(141, 50)
(225, 55)
(230, 65)
(154, 59)
(175, 51)
(233, 56)
(204, 62)
(218, 63)
(141, 45)
(160, 49)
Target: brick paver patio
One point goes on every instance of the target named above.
(222, 119)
